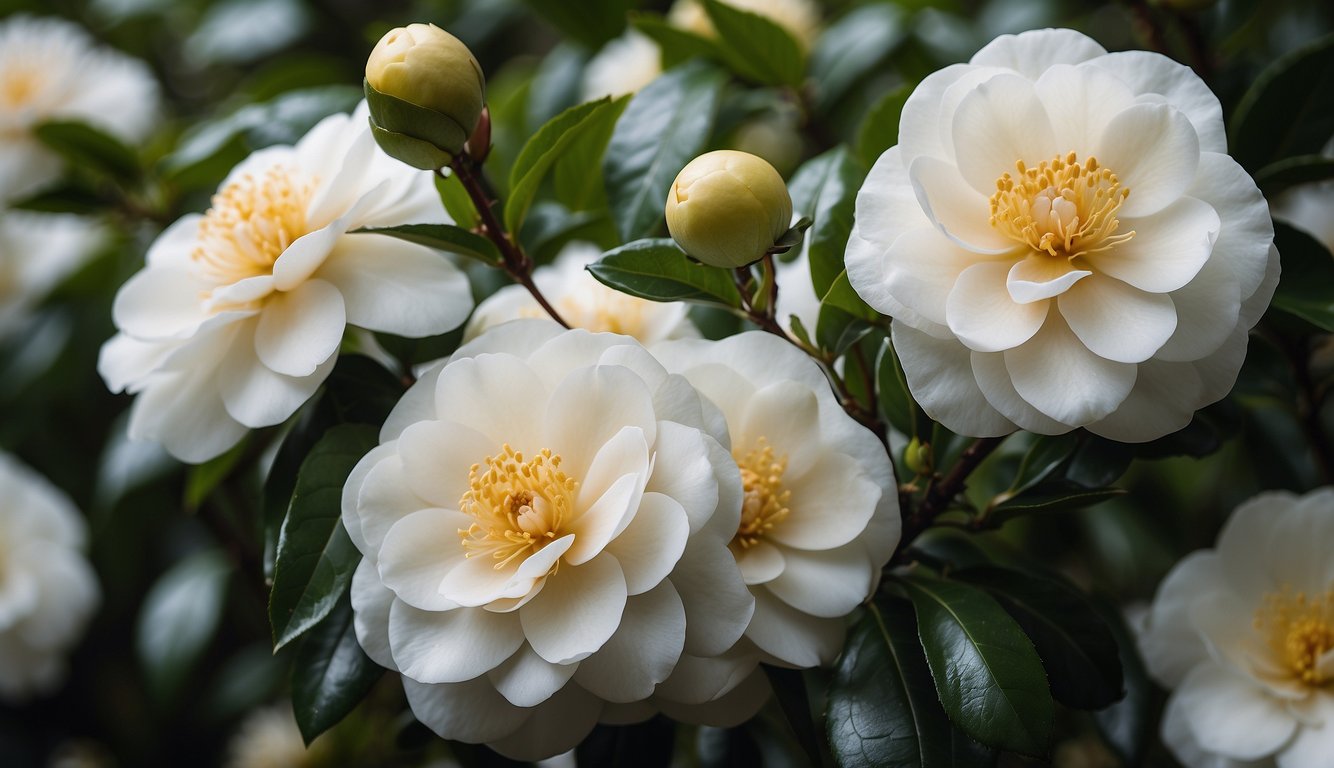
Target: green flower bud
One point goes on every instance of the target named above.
(426, 92)
(727, 208)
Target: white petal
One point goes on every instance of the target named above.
(1230, 715)
(254, 394)
(1153, 73)
(760, 563)
(919, 121)
(993, 379)
(922, 267)
(471, 711)
(1060, 377)
(300, 329)
(786, 415)
(1153, 150)
(886, 204)
(1034, 52)
(1247, 231)
(526, 679)
(827, 583)
(984, 316)
(450, 646)
(625, 454)
(738, 705)
(999, 123)
(160, 303)
(476, 581)
(831, 504)
(397, 287)
(607, 517)
(1080, 100)
(592, 405)
(184, 412)
(1038, 276)
(555, 726)
(1168, 250)
(792, 636)
(1208, 308)
(1245, 540)
(682, 471)
(298, 263)
(1170, 644)
(940, 377)
(718, 605)
(384, 499)
(437, 456)
(1298, 551)
(498, 395)
(643, 651)
(578, 610)
(1163, 400)
(652, 544)
(1313, 744)
(370, 613)
(962, 213)
(1118, 321)
(124, 361)
(417, 404)
(698, 679)
(1179, 739)
(410, 561)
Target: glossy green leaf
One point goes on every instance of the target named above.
(330, 672)
(1290, 171)
(987, 674)
(755, 47)
(88, 148)
(576, 182)
(883, 709)
(456, 201)
(896, 401)
(1044, 457)
(789, 688)
(545, 147)
(591, 22)
(1308, 272)
(443, 237)
(664, 127)
(1289, 108)
(1051, 496)
(879, 130)
(853, 47)
(179, 617)
(677, 45)
(72, 196)
(315, 558)
(1077, 648)
(825, 188)
(842, 296)
(1128, 725)
(658, 270)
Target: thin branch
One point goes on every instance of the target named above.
(942, 491)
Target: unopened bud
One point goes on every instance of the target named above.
(728, 208)
(917, 457)
(425, 91)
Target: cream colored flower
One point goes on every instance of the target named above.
(545, 529)
(269, 738)
(801, 18)
(50, 69)
(1063, 242)
(1244, 636)
(239, 313)
(624, 65)
(821, 513)
(48, 591)
(583, 302)
(37, 251)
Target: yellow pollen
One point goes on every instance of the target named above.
(18, 86)
(1062, 207)
(1299, 628)
(251, 222)
(519, 506)
(765, 503)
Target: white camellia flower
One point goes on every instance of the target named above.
(239, 313)
(624, 65)
(545, 529)
(37, 251)
(269, 738)
(583, 302)
(47, 588)
(1062, 242)
(1244, 636)
(50, 69)
(821, 512)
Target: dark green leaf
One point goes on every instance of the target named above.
(1128, 725)
(666, 124)
(790, 690)
(825, 188)
(836, 331)
(558, 82)
(880, 128)
(852, 47)
(842, 296)
(1076, 646)
(883, 709)
(755, 47)
(1045, 456)
(330, 673)
(1050, 496)
(1308, 272)
(88, 148)
(1290, 171)
(577, 184)
(1289, 108)
(891, 386)
(591, 22)
(179, 617)
(987, 673)
(677, 44)
(541, 151)
(75, 196)
(551, 226)
(658, 270)
(444, 237)
(361, 391)
(315, 557)
(644, 745)
(456, 201)
(1098, 463)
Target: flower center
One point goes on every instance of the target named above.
(251, 222)
(764, 504)
(519, 506)
(1300, 630)
(1062, 207)
(18, 86)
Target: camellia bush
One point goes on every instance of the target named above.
(706, 383)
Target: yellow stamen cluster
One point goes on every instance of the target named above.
(1299, 628)
(520, 506)
(251, 222)
(18, 86)
(1062, 207)
(765, 503)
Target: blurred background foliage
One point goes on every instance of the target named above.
(180, 652)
